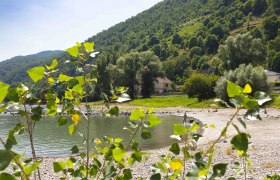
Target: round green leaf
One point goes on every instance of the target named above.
(58, 166)
(240, 142)
(73, 51)
(5, 158)
(37, 73)
(137, 115)
(146, 134)
(233, 89)
(153, 120)
(179, 129)
(4, 90)
(175, 148)
(118, 154)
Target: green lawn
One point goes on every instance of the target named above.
(171, 101)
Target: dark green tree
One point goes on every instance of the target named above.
(270, 27)
(276, 63)
(177, 39)
(130, 64)
(211, 44)
(260, 7)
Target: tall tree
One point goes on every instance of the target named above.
(151, 68)
(242, 49)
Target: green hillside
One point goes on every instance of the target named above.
(14, 69)
(184, 34)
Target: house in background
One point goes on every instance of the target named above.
(272, 77)
(162, 85)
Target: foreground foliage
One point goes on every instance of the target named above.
(110, 157)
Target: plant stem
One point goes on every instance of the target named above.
(245, 168)
(184, 171)
(30, 132)
(222, 133)
(102, 167)
(87, 139)
(132, 137)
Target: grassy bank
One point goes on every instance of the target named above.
(171, 101)
(180, 100)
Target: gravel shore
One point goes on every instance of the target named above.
(264, 150)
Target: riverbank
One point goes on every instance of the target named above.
(264, 150)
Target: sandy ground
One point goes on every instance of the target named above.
(264, 150)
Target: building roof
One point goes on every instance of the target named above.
(271, 73)
(163, 79)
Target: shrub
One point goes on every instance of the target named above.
(200, 86)
(255, 76)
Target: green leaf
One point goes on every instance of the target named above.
(194, 127)
(137, 155)
(253, 114)
(3, 107)
(37, 73)
(127, 174)
(4, 90)
(262, 97)
(71, 129)
(146, 134)
(236, 127)
(175, 148)
(252, 104)
(179, 129)
(73, 51)
(36, 113)
(242, 122)
(114, 111)
(219, 170)
(6, 176)
(75, 150)
(153, 120)
(58, 166)
(5, 158)
(186, 153)
(240, 142)
(53, 65)
(150, 111)
(118, 154)
(29, 169)
(89, 46)
(61, 121)
(233, 89)
(69, 95)
(11, 140)
(156, 176)
(64, 78)
(137, 115)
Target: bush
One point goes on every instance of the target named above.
(255, 76)
(200, 86)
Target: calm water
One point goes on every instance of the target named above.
(51, 140)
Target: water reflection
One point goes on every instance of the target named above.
(51, 140)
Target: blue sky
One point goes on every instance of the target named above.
(31, 26)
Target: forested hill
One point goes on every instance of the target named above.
(14, 69)
(184, 34)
